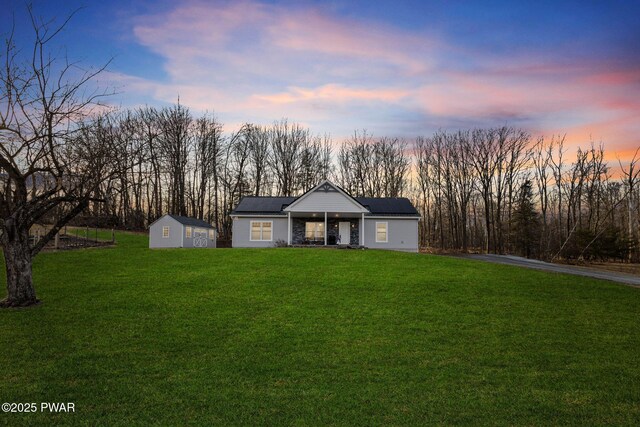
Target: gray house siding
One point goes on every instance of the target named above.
(402, 234)
(177, 235)
(241, 237)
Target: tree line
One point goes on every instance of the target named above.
(497, 189)
(185, 165)
(501, 191)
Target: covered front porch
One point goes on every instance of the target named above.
(324, 229)
(325, 215)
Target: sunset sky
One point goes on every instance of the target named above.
(394, 68)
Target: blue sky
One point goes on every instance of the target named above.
(394, 68)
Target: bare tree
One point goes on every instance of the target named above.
(234, 176)
(463, 178)
(541, 159)
(315, 162)
(175, 145)
(51, 165)
(149, 131)
(344, 172)
(361, 155)
(631, 177)
(208, 148)
(557, 163)
(422, 155)
(395, 166)
(287, 143)
(484, 155)
(259, 159)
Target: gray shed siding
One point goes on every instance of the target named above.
(402, 234)
(177, 235)
(241, 237)
(188, 242)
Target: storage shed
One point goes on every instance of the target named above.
(175, 231)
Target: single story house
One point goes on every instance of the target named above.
(175, 231)
(326, 215)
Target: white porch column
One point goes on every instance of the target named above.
(288, 228)
(325, 228)
(362, 230)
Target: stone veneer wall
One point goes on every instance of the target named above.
(298, 229)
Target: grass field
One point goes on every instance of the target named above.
(316, 337)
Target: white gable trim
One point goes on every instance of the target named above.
(358, 208)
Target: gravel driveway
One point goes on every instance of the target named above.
(627, 279)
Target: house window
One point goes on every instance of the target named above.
(314, 231)
(382, 235)
(165, 232)
(261, 231)
(188, 232)
(212, 234)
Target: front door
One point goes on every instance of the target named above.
(344, 232)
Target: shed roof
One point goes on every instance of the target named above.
(194, 222)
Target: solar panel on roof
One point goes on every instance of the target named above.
(263, 204)
(388, 205)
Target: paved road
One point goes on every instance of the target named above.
(627, 279)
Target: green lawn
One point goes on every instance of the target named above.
(316, 337)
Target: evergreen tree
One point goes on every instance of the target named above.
(526, 222)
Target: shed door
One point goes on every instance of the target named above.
(344, 230)
(199, 238)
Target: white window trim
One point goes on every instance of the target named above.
(261, 232)
(168, 229)
(211, 233)
(386, 228)
(188, 232)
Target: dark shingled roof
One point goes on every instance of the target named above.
(185, 220)
(262, 205)
(400, 206)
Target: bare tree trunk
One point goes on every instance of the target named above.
(17, 259)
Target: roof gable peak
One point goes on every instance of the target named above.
(327, 187)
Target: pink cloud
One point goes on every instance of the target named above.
(615, 77)
(333, 93)
(259, 62)
(621, 135)
(316, 32)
